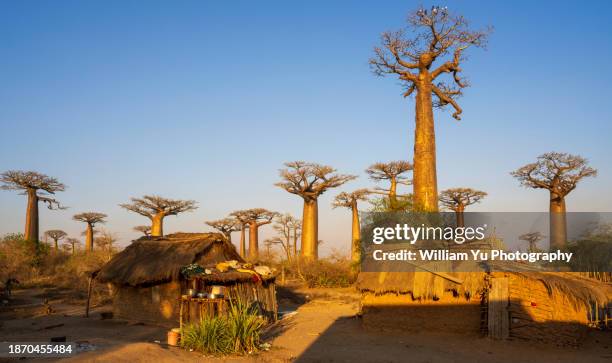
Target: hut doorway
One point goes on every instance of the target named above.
(498, 317)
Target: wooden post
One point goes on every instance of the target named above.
(181, 315)
(89, 287)
(498, 319)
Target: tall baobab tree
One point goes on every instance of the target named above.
(309, 181)
(38, 187)
(457, 199)
(254, 218)
(73, 242)
(91, 218)
(145, 230)
(431, 46)
(559, 173)
(394, 172)
(56, 235)
(226, 226)
(532, 238)
(350, 201)
(157, 208)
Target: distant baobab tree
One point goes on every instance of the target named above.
(431, 37)
(559, 173)
(56, 235)
(241, 218)
(38, 187)
(157, 208)
(73, 242)
(226, 226)
(532, 238)
(394, 172)
(309, 181)
(350, 200)
(145, 230)
(254, 218)
(284, 225)
(457, 199)
(91, 218)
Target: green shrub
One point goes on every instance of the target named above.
(237, 332)
(244, 327)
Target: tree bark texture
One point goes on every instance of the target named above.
(310, 230)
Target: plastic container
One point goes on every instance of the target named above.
(174, 336)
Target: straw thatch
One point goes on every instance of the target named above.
(154, 260)
(431, 285)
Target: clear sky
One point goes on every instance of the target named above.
(206, 100)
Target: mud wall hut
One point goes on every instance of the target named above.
(547, 307)
(147, 280)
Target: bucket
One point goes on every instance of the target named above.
(173, 337)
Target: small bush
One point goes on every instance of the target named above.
(237, 332)
(324, 273)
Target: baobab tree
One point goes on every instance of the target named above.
(309, 181)
(394, 172)
(532, 238)
(91, 218)
(457, 199)
(241, 218)
(350, 201)
(254, 218)
(226, 226)
(56, 235)
(157, 208)
(38, 187)
(432, 45)
(145, 230)
(73, 242)
(559, 173)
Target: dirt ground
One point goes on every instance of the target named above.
(321, 326)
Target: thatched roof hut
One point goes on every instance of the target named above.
(155, 260)
(148, 282)
(546, 306)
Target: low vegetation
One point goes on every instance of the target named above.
(237, 332)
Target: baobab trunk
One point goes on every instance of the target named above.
(558, 223)
(356, 236)
(89, 238)
(310, 230)
(31, 228)
(242, 242)
(253, 241)
(425, 184)
(393, 195)
(157, 227)
(459, 215)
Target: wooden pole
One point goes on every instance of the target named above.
(89, 287)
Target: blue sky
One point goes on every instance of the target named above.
(206, 100)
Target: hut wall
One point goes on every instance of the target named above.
(454, 314)
(261, 294)
(537, 315)
(157, 304)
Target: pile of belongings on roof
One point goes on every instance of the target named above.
(257, 272)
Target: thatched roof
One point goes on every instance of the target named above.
(430, 285)
(154, 260)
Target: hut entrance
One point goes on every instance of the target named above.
(498, 319)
